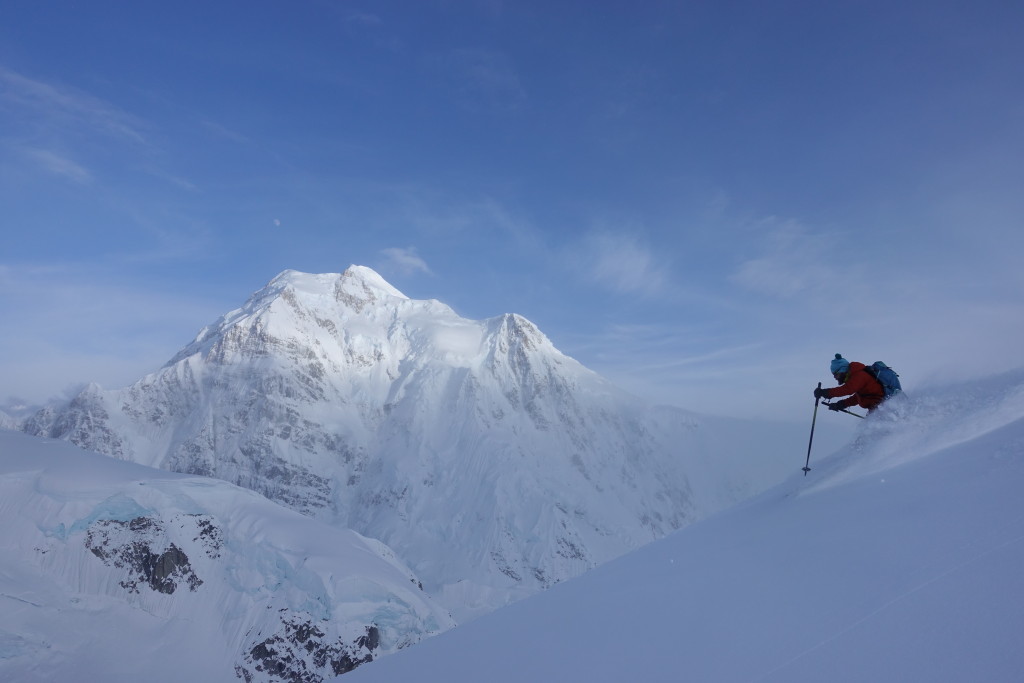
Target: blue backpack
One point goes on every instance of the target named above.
(886, 376)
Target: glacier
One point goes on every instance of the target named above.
(116, 571)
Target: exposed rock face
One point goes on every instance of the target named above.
(141, 548)
(85, 422)
(299, 652)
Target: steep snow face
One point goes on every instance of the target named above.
(114, 571)
(492, 463)
(897, 558)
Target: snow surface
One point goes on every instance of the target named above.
(898, 558)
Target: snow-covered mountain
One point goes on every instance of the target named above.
(898, 558)
(117, 572)
(494, 465)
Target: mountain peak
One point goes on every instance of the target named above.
(355, 288)
(358, 281)
(338, 396)
(365, 284)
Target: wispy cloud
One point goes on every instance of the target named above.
(57, 164)
(439, 216)
(362, 18)
(73, 134)
(790, 259)
(225, 133)
(47, 106)
(485, 79)
(80, 325)
(621, 262)
(406, 260)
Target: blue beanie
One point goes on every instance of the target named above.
(839, 364)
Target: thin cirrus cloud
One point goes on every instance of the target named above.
(54, 108)
(72, 134)
(789, 260)
(620, 262)
(77, 325)
(485, 79)
(57, 164)
(406, 260)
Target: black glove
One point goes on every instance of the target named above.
(835, 406)
(818, 392)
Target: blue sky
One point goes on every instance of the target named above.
(701, 201)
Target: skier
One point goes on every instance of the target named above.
(855, 382)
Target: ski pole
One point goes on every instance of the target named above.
(849, 412)
(817, 400)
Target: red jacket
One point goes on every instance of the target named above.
(866, 391)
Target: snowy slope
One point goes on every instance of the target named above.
(898, 558)
(494, 465)
(117, 572)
